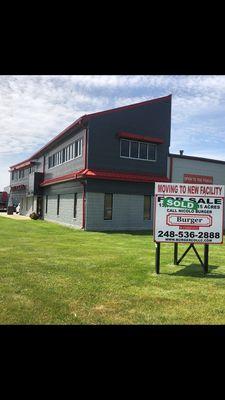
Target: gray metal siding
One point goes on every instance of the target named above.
(65, 210)
(152, 120)
(128, 213)
(63, 188)
(39, 164)
(31, 205)
(69, 166)
(66, 191)
(183, 166)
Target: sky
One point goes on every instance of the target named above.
(34, 109)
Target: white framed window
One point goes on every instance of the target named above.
(80, 147)
(73, 149)
(68, 153)
(76, 148)
(136, 150)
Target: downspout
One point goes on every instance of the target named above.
(84, 183)
(84, 205)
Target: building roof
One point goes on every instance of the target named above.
(197, 158)
(80, 122)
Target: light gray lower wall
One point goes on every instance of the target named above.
(128, 213)
(65, 209)
(28, 205)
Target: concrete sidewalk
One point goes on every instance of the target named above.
(14, 216)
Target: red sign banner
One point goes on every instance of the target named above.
(191, 178)
(19, 187)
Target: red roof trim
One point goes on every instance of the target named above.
(122, 176)
(68, 177)
(86, 117)
(142, 103)
(197, 158)
(22, 165)
(106, 175)
(77, 122)
(127, 135)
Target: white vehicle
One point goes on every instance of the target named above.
(18, 209)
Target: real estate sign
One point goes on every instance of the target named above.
(188, 213)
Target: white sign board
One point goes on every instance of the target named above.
(188, 213)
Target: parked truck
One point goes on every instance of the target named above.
(3, 201)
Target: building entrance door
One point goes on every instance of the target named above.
(40, 206)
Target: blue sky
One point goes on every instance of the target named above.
(33, 109)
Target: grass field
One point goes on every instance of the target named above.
(50, 274)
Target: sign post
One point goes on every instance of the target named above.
(188, 213)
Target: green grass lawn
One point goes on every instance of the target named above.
(50, 274)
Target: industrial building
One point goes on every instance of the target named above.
(99, 173)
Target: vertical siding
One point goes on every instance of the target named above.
(31, 201)
(65, 209)
(128, 213)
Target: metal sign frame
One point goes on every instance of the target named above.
(208, 217)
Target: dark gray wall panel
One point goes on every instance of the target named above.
(152, 120)
(102, 186)
(64, 187)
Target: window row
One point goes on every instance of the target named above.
(138, 150)
(69, 152)
(20, 174)
(108, 206)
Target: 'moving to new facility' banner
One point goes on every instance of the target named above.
(188, 213)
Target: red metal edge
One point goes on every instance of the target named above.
(130, 106)
(22, 165)
(127, 135)
(123, 176)
(195, 158)
(59, 179)
(75, 123)
(105, 175)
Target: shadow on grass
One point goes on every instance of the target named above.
(134, 233)
(196, 270)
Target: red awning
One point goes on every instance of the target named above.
(106, 175)
(22, 165)
(132, 136)
(18, 187)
